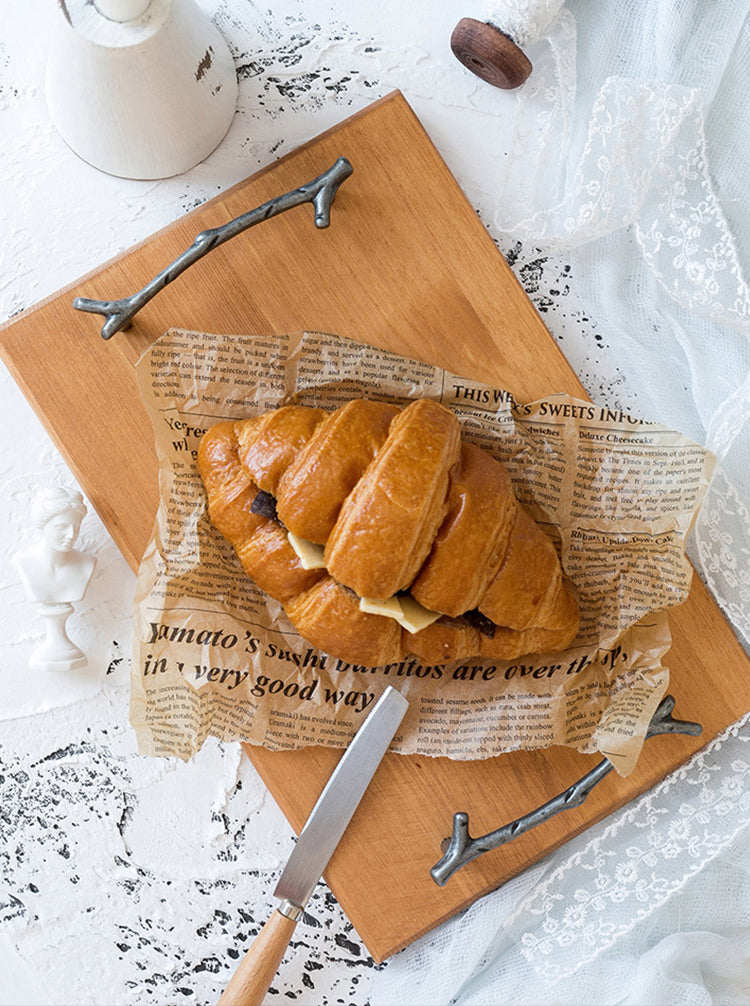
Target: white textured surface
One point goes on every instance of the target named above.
(130, 880)
(525, 21)
(127, 879)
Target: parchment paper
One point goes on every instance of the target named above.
(213, 655)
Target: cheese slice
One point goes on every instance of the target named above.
(309, 554)
(414, 615)
(388, 607)
(409, 614)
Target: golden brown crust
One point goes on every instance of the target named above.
(260, 543)
(271, 561)
(527, 573)
(409, 506)
(509, 644)
(443, 641)
(268, 444)
(559, 610)
(312, 490)
(471, 539)
(328, 616)
(229, 489)
(387, 525)
(455, 639)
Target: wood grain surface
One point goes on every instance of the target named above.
(405, 265)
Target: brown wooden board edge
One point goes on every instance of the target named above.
(132, 557)
(200, 208)
(381, 949)
(68, 289)
(290, 812)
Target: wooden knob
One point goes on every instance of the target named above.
(490, 54)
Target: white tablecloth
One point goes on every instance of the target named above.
(615, 182)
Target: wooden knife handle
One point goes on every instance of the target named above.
(257, 968)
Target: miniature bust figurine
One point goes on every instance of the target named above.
(55, 574)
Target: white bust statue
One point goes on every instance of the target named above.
(55, 574)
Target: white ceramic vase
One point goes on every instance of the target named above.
(139, 89)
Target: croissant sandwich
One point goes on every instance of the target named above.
(382, 533)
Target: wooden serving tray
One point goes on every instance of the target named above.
(405, 265)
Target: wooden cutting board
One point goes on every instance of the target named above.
(405, 265)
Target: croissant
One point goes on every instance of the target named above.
(382, 533)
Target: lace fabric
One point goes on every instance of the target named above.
(630, 143)
(632, 199)
(623, 164)
(591, 919)
(523, 22)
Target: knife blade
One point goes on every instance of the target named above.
(316, 844)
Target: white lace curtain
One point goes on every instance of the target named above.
(631, 154)
(631, 162)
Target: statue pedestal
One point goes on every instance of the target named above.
(57, 652)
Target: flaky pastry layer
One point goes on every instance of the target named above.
(399, 503)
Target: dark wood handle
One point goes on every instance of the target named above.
(490, 54)
(258, 967)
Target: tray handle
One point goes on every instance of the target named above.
(461, 848)
(321, 192)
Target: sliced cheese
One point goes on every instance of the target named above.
(415, 615)
(309, 554)
(388, 607)
(409, 614)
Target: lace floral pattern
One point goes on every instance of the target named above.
(523, 22)
(633, 180)
(644, 163)
(662, 851)
(724, 559)
(723, 524)
(566, 929)
(643, 168)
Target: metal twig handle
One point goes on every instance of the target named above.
(321, 192)
(461, 848)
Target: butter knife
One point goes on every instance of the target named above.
(317, 841)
